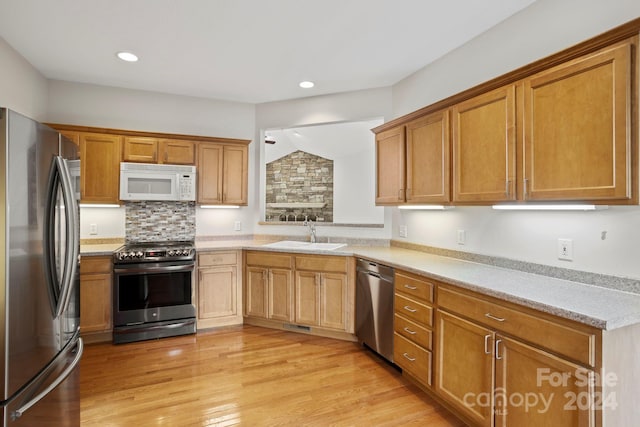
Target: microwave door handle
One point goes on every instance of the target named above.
(178, 193)
(72, 237)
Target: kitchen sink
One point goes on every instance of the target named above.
(294, 244)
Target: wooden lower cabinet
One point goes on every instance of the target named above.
(311, 293)
(320, 299)
(493, 379)
(413, 323)
(218, 290)
(269, 286)
(96, 284)
(322, 292)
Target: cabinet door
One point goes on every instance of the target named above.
(235, 176)
(428, 159)
(95, 302)
(536, 388)
(217, 290)
(577, 129)
(100, 168)
(390, 167)
(465, 367)
(484, 141)
(333, 295)
(307, 298)
(256, 292)
(140, 149)
(280, 295)
(177, 152)
(210, 173)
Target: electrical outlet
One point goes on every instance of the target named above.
(237, 226)
(93, 229)
(462, 237)
(565, 249)
(402, 230)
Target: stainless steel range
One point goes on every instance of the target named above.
(153, 291)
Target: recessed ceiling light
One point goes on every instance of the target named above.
(307, 84)
(127, 56)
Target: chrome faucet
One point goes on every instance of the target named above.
(312, 230)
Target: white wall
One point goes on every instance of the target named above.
(100, 106)
(544, 28)
(22, 87)
(342, 107)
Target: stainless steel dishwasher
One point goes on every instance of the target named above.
(374, 307)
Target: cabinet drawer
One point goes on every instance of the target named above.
(412, 358)
(267, 259)
(573, 343)
(414, 332)
(217, 258)
(415, 286)
(336, 264)
(413, 310)
(95, 264)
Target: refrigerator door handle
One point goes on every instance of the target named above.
(72, 238)
(20, 411)
(60, 292)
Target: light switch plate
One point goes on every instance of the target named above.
(402, 230)
(93, 229)
(237, 226)
(462, 237)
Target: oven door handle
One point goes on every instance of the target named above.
(137, 329)
(153, 269)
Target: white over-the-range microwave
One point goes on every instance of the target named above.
(147, 181)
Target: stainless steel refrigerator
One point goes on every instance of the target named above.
(39, 268)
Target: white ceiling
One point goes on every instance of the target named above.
(243, 50)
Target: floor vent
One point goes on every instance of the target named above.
(297, 327)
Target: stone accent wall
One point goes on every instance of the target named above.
(300, 177)
(159, 221)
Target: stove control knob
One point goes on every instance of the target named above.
(132, 254)
(171, 252)
(139, 254)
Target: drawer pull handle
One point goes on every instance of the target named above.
(413, 288)
(486, 344)
(409, 309)
(497, 319)
(410, 331)
(409, 358)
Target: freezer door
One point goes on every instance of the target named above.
(51, 399)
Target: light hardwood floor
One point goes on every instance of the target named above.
(248, 376)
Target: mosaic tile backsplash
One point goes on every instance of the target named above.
(159, 221)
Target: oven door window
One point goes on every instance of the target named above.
(144, 291)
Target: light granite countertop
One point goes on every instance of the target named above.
(600, 307)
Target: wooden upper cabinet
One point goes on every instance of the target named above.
(73, 136)
(222, 174)
(390, 166)
(140, 149)
(100, 167)
(577, 120)
(210, 173)
(177, 152)
(428, 147)
(484, 147)
(235, 174)
(155, 150)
